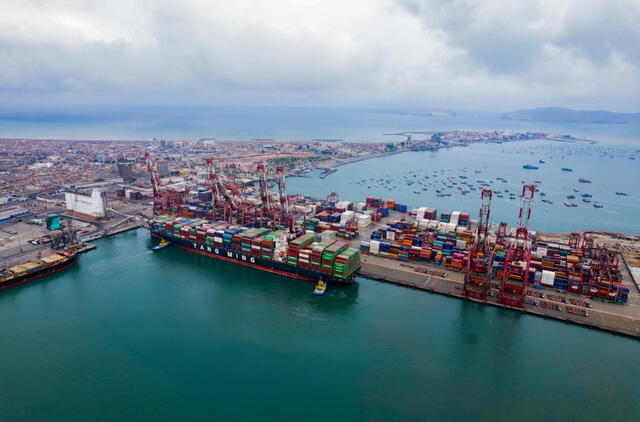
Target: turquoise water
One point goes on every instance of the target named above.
(608, 167)
(128, 334)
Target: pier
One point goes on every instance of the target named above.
(619, 319)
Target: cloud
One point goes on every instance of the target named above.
(462, 54)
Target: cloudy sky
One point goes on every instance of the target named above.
(463, 54)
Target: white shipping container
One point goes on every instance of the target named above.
(420, 213)
(433, 224)
(424, 223)
(346, 217)
(364, 220)
(455, 217)
(548, 277)
(328, 236)
(541, 252)
(391, 235)
(461, 244)
(451, 227)
(374, 247)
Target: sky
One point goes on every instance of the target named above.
(460, 54)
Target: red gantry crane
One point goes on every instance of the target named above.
(478, 273)
(165, 200)
(221, 201)
(286, 217)
(517, 261)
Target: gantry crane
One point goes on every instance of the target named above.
(286, 217)
(515, 273)
(480, 260)
(165, 200)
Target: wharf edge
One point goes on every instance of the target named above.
(434, 284)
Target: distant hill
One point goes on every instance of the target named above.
(557, 114)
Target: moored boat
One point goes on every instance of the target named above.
(303, 255)
(32, 270)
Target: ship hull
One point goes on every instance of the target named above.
(39, 273)
(246, 259)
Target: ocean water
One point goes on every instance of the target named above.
(129, 334)
(282, 123)
(398, 177)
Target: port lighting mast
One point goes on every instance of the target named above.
(517, 261)
(479, 262)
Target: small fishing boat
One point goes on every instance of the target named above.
(570, 204)
(529, 167)
(320, 288)
(160, 246)
(571, 196)
(598, 206)
(622, 194)
(566, 169)
(583, 180)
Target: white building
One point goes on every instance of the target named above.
(94, 206)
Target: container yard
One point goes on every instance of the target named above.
(446, 251)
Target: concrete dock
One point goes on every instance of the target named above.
(619, 319)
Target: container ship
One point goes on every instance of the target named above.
(32, 270)
(303, 256)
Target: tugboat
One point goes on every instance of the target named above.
(162, 245)
(320, 288)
